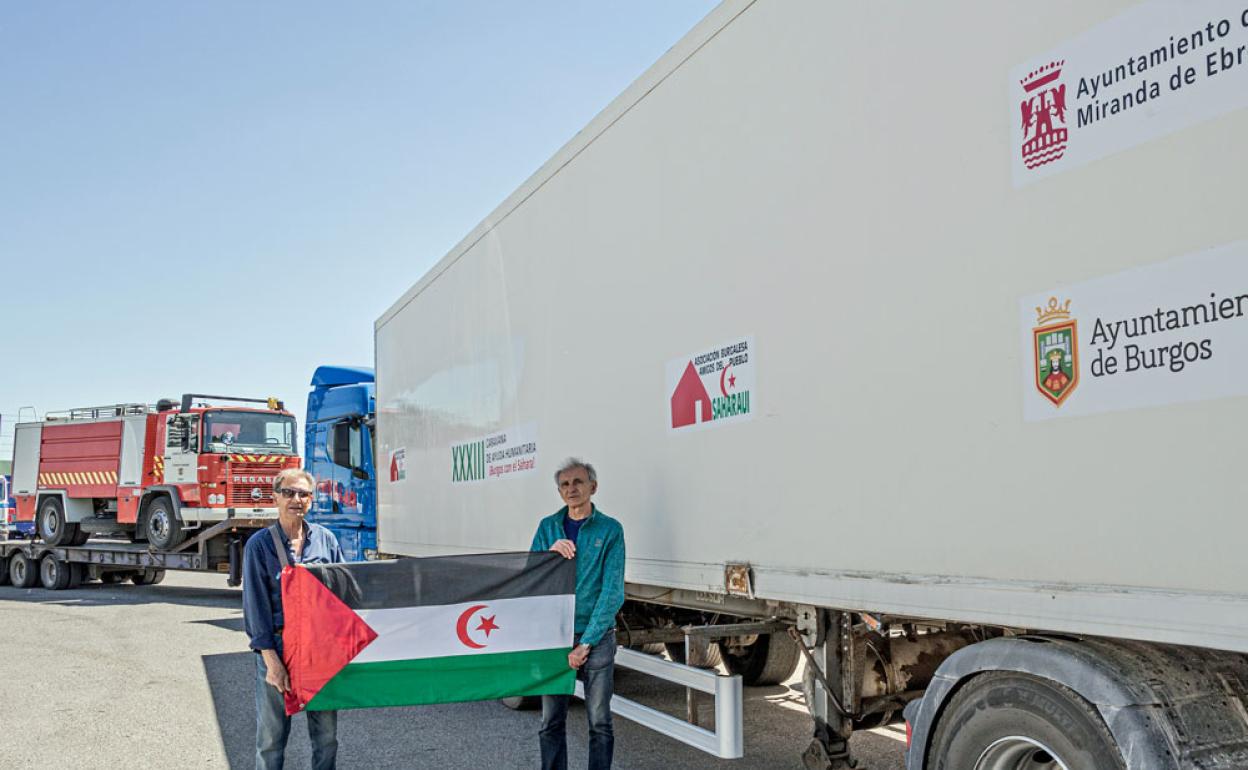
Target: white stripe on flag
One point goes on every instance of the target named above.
(530, 623)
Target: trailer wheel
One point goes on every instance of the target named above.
(22, 570)
(53, 573)
(148, 577)
(164, 531)
(1001, 720)
(705, 653)
(770, 660)
(522, 702)
(51, 524)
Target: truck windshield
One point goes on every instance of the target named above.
(255, 432)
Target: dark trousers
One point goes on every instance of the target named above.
(598, 676)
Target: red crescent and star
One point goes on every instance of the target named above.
(732, 381)
(487, 625)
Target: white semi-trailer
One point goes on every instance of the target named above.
(917, 328)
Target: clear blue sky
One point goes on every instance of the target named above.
(218, 197)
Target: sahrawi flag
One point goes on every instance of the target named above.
(433, 630)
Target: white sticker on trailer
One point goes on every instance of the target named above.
(712, 387)
(503, 455)
(1155, 69)
(398, 465)
(1166, 333)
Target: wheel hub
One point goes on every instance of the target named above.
(1017, 752)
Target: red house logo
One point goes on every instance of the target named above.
(1044, 115)
(690, 400)
(398, 465)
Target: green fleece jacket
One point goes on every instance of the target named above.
(599, 569)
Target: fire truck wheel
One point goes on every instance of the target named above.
(53, 573)
(148, 577)
(51, 523)
(22, 570)
(79, 536)
(4, 570)
(164, 531)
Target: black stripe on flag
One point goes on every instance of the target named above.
(432, 580)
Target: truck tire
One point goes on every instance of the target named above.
(4, 570)
(705, 655)
(1003, 719)
(80, 535)
(770, 660)
(53, 573)
(148, 577)
(51, 525)
(522, 702)
(22, 570)
(164, 530)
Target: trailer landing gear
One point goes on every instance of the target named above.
(827, 751)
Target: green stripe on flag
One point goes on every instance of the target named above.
(447, 680)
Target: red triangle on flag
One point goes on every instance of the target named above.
(321, 636)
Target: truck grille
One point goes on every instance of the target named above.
(244, 477)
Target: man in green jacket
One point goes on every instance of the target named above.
(580, 531)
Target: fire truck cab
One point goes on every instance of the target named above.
(154, 472)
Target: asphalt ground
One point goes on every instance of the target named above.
(159, 677)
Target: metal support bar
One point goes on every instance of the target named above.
(226, 525)
(829, 747)
(726, 630)
(725, 742)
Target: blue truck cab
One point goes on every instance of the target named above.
(339, 451)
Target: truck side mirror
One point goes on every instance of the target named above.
(360, 474)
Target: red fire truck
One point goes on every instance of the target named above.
(160, 473)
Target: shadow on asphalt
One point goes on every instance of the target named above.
(94, 594)
(229, 624)
(488, 735)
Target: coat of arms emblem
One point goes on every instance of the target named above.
(1056, 339)
(1044, 115)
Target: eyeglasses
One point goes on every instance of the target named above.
(290, 494)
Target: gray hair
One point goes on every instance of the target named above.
(293, 473)
(571, 464)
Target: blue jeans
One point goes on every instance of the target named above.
(598, 674)
(273, 727)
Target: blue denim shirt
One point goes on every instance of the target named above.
(599, 569)
(262, 589)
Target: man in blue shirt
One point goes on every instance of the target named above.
(300, 542)
(580, 531)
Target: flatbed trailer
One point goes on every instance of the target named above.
(27, 563)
